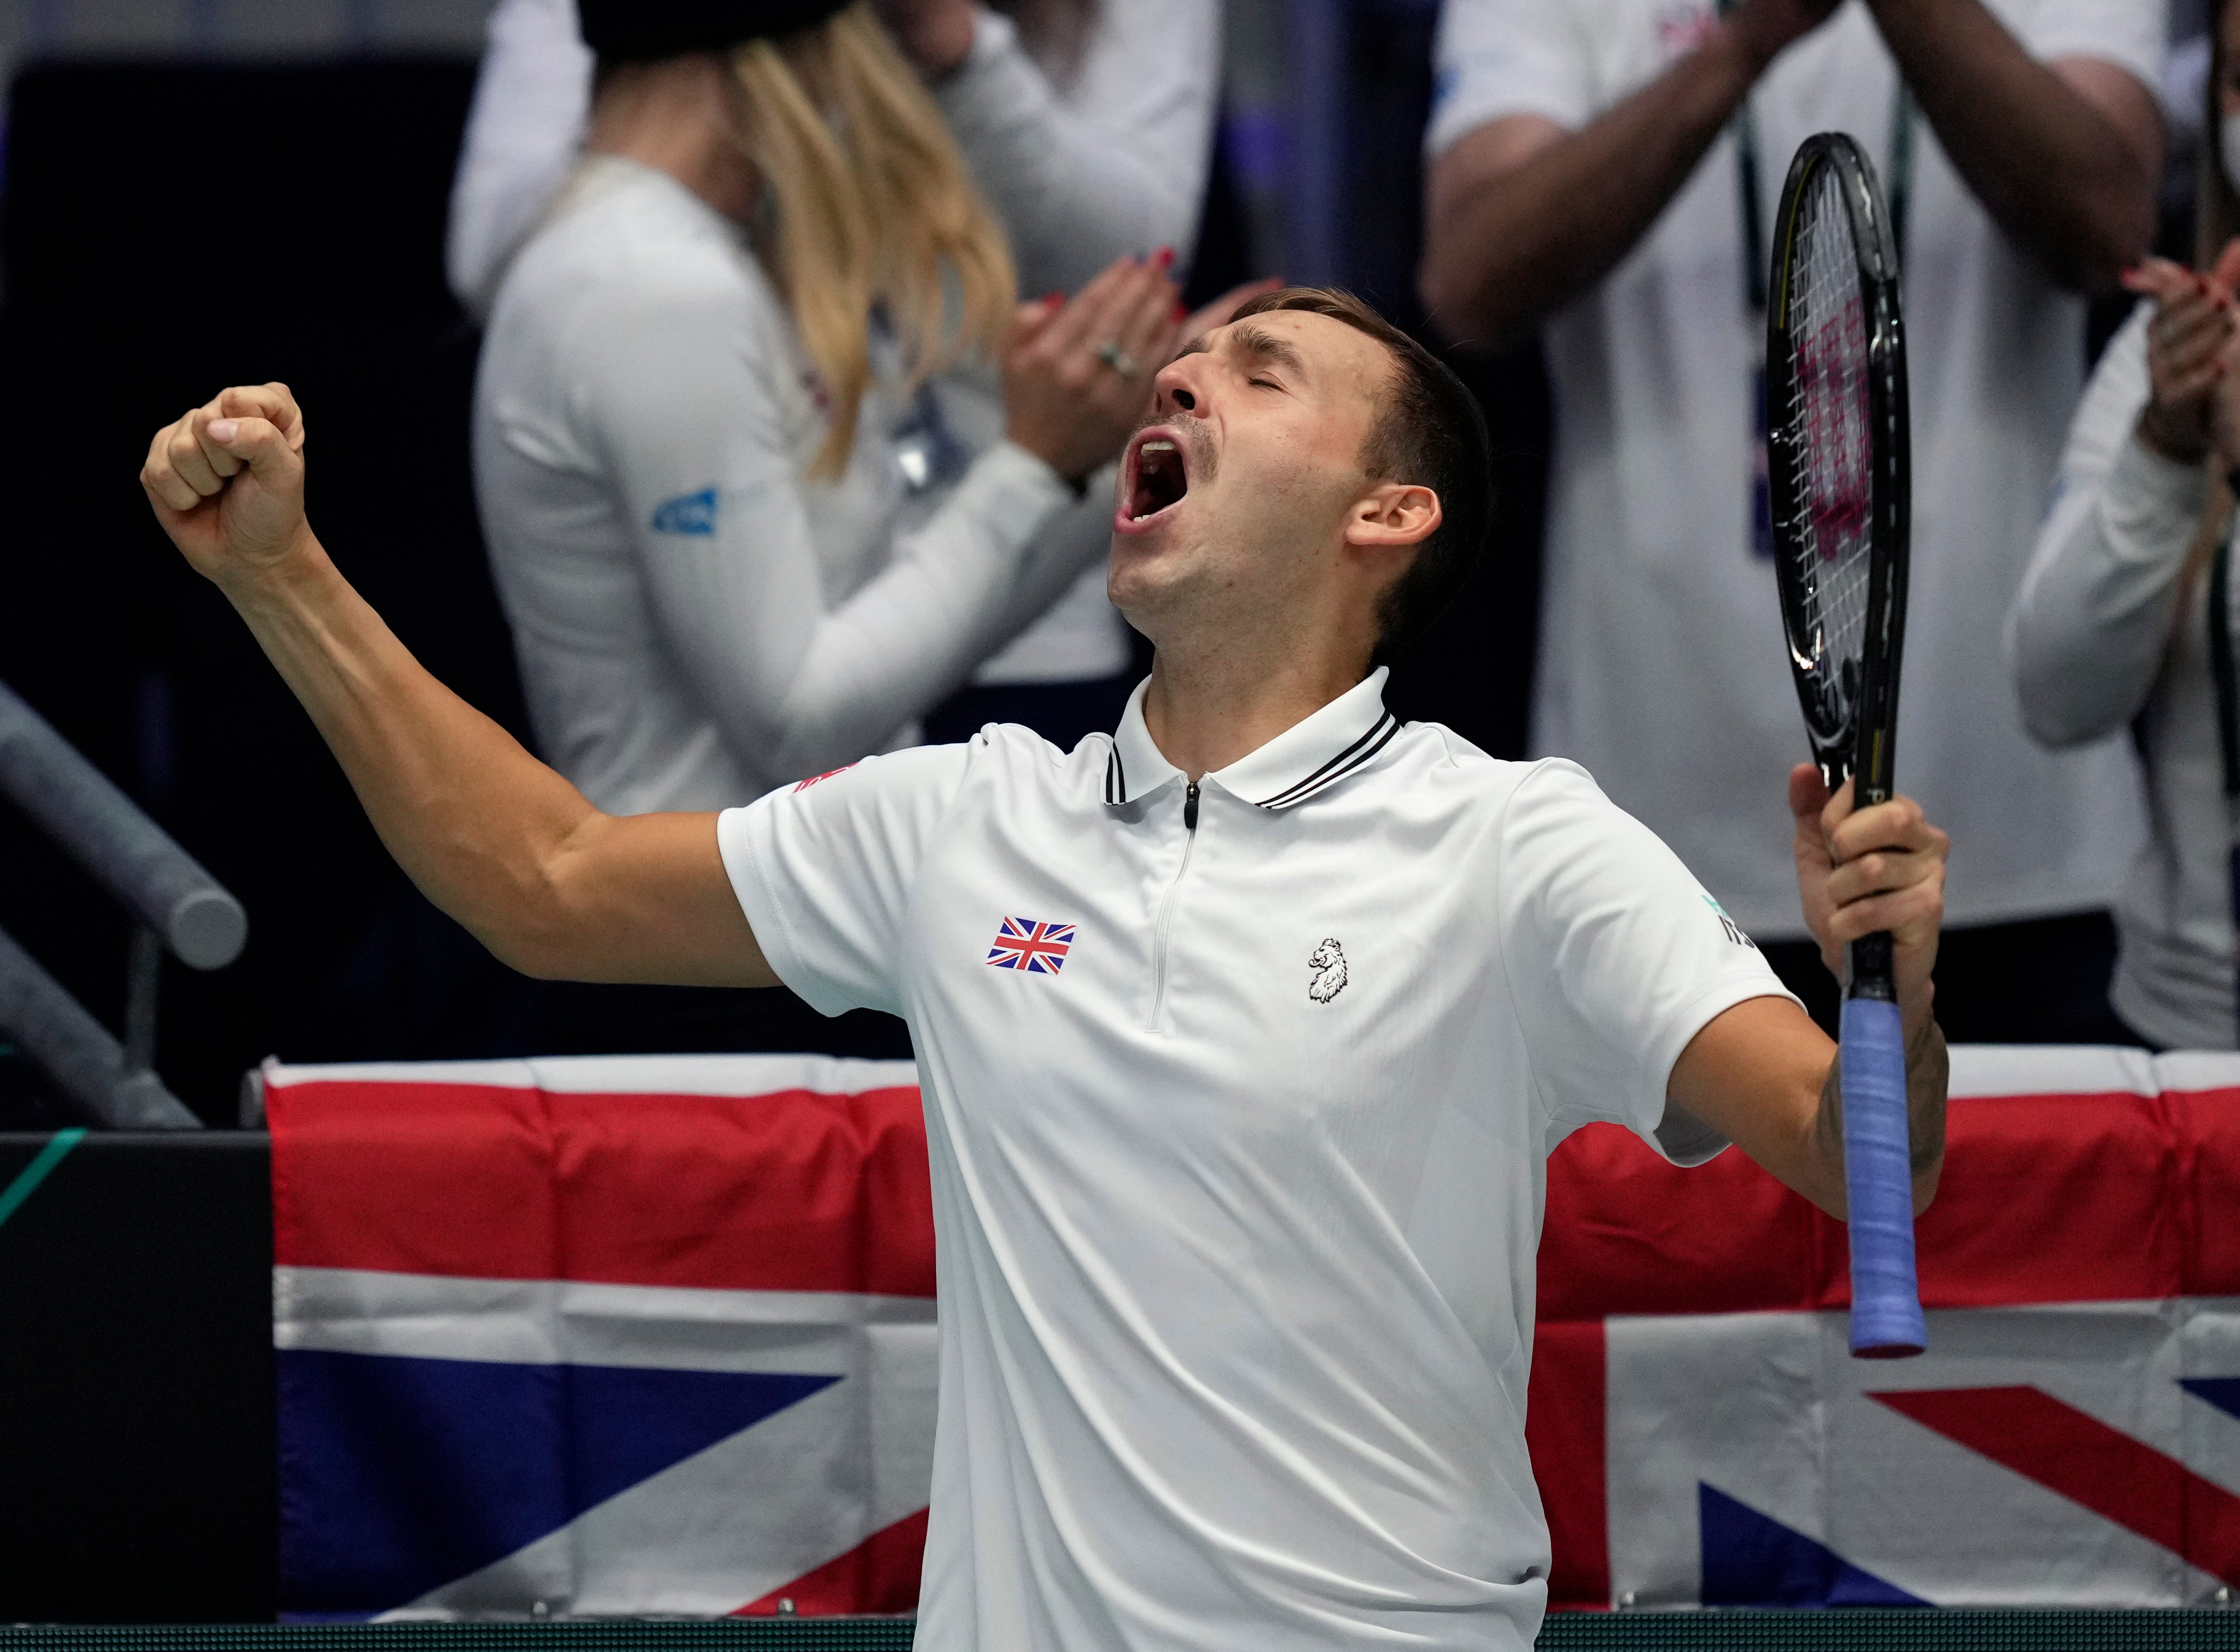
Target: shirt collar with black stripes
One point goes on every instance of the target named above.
(1307, 758)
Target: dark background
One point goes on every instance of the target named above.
(320, 266)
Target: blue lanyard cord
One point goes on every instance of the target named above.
(1900, 179)
(2221, 666)
(1754, 270)
(2228, 708)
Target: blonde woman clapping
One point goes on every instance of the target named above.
(692, 376)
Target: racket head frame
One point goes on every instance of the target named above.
(1864, 746)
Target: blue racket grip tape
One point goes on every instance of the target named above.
(1886, 1320)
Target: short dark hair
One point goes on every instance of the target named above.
(1429, 432)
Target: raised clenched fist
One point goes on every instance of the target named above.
(226, 480)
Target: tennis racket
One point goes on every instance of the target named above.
(1838, 462)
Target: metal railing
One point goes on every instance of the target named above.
(174, 902)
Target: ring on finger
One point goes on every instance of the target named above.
(1117, 359)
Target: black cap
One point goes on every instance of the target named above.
(642, 29)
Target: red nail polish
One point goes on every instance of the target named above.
(1053, 298)
(1164, 257)
(1181, 312)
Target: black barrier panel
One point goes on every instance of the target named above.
(137, 1454)
(1735, 1631)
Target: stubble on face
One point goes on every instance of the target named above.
(1199, 461)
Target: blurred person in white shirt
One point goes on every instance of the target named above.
(1605, 171)
(2125, 621)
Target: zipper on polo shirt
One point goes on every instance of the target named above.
(1167, 908)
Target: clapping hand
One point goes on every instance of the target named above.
(1078, 377)
(935, 35)
(1765, 27)
(2193, 342)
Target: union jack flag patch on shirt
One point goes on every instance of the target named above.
(1039, 949)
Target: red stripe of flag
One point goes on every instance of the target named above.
(2032, 1186)
(880, 1575)
(792, 1190)
(2076, 1454)
(1566, 1428)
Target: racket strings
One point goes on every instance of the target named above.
(1828, 419)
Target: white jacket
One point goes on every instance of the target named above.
(697, 622)
(2110, 628)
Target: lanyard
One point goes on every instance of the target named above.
(2221, 669)
(2221, 666)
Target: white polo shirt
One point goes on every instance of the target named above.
(1237, 1134)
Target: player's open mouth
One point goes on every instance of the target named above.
(1155, 478)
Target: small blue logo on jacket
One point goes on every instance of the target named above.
(687, 513)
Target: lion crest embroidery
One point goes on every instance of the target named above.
(1328, 964)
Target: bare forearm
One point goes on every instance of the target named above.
(1927, 1073)
(1505, 245)
(490, 835)
(2059, 173)
(1761, 1074)
(472, 818)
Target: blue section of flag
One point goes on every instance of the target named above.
(1750, 1559)
(687, 513)
(2223, 1392)
(403, 1475)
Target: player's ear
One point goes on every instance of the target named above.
(1394, 513)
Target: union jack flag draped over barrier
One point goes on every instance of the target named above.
(602, 1336)
(607, 1336)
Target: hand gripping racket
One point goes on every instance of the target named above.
(1839, 464)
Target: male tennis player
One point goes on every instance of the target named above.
(1243, 1034)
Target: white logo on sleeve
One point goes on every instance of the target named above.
(1328, 963)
